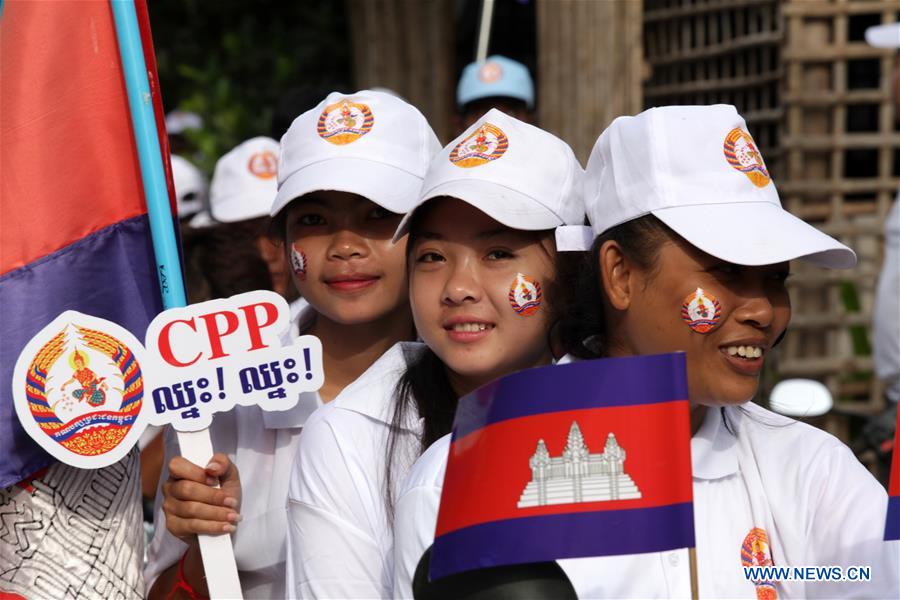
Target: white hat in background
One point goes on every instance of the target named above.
(516, 173)
(244, 182)
(698, 170)
(201, 220)
(884, 36)
(368, 143)
(179, 121)
(190, 187)
(497, 77)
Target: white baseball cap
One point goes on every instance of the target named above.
(369, 143)
(516, 173)
(884, 36)
(244, 181)
(190, 187)
(698, 170)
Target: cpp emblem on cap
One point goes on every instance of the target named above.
(742, 154)
(486, 144)
(345, 122)
(263, 165)
(490, 72)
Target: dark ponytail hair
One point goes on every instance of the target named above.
(583, 327)
(425, 387)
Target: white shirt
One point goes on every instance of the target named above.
(339, 529)
(262, 445)
(813, 498)
(886, 312)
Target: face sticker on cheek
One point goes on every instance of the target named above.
(298, 262)
(701, 311)
(525, 295)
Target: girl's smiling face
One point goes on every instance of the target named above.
(350, 272)
(476, 291)
(724, 362)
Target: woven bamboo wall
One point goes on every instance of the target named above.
(817, 99)
(840, 164)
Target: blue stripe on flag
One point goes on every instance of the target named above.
(892, 524)
(553, 537)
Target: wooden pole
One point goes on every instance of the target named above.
(692, 561)
(484, 30)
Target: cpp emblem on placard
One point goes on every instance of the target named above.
(78, 389)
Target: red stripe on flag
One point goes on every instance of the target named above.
(489, 468)
(70, 166)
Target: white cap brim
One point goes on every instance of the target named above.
(201, 220)
(884, 36)
(385, 185)
(755, 233)
(503, 204)
(235, 209)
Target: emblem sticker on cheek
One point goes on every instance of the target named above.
(525, 295)
(298, 262)
(701, 311)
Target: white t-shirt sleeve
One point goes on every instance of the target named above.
(847, 528)
(333, 550)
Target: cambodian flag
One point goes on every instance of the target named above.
(892, 526)
(73, 220)
(582, 459)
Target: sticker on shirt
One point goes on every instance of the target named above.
(742, 154)
(298, 262)
(486, 144)
(263, 165)
(755, 552)
(345, 122)
(701, 311)
(525, 295)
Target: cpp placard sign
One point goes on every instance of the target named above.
(85, 388)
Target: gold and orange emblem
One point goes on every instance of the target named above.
(485, 144)
(345, 122)
(742, 154)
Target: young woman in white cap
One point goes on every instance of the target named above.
(691, 254)
(482, 268)
(347, 171)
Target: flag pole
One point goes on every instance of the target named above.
(216, 551)
(484, 30)
(692, 561)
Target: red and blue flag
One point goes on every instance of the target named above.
(583, 459)
(73, 219)
(892, 525)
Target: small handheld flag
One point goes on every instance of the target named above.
(584, 459)
(892, 525)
